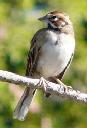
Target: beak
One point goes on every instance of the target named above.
(44, 18)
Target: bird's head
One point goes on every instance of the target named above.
(56, 19)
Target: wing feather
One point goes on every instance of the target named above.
(33, 57)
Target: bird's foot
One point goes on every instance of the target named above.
(60, 82)
(44, 83)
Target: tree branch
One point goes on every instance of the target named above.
(63, 91)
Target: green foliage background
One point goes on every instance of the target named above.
(18, 23)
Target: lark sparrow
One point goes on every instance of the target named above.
(50, 54)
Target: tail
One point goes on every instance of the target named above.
(22, 107)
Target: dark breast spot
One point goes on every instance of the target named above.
(56, 43)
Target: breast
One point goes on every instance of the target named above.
(55, 54)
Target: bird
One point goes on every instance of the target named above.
(51, 52)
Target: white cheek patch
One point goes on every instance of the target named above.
(54, 26)
(63, 24)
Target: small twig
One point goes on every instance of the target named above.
(46, 86)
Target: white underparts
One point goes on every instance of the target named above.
(55, 56)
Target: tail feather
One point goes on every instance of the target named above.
(22, 107)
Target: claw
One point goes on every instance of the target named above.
(65, 87)
(43, 83)
(69, 87)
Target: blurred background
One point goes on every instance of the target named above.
(18, 23)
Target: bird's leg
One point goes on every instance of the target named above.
(44, 83)
(60, 82)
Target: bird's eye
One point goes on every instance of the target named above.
(53, 17)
